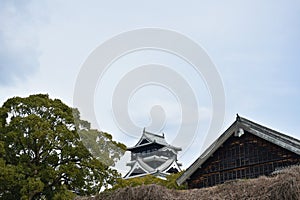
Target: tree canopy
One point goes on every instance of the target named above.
(43, 151)
(169, 182)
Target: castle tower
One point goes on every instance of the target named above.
(153, 155)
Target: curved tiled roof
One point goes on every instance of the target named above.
(153, 138)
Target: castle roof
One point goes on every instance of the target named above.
(162, 169)
(149, 138)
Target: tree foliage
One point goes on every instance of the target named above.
(169, 182)
(43, 156)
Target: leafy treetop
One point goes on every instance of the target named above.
(43, 151)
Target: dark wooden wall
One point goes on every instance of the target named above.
(242, 157)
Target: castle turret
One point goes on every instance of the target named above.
(153, 155)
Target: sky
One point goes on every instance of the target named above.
(254, 46)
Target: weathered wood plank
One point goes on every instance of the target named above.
(247, 156)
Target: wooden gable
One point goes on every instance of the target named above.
(247, 156)
(245, 150)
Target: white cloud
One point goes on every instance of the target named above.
(19, 23)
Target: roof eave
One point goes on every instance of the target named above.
(143, 145)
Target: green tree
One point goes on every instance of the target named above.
(169, 182)
(43, 156)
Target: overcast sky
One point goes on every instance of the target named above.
(254, 45)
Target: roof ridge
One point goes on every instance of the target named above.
(278, 134)
(146, 132)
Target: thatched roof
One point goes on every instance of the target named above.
(283, 185)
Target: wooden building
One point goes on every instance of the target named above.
(245, 150)
(152, 155)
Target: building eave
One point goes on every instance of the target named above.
(143, 145)
(275, 137)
